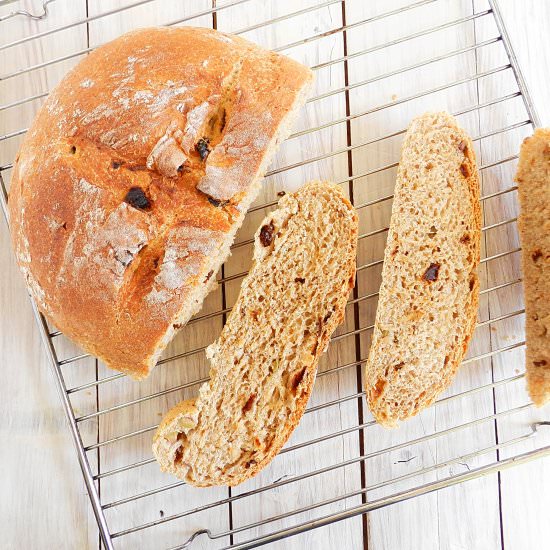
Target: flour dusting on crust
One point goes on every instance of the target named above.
(186, 249)
(127, 118)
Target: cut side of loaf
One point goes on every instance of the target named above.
(263, 366)
(134, 177)
(533, 179)
(428, 299)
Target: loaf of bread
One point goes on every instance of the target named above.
(134, 177)
(428, 299)
(263, 366)
(533, 179)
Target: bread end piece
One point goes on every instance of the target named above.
(533, 179)
(168, 438)
(429, 294)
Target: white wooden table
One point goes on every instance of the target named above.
(43, 501)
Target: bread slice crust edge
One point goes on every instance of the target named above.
(533, 179)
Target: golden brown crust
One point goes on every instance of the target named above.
(533, 178)
(115, 277)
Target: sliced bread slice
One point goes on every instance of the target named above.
(429, 294)
(533, 178)
(263, 366)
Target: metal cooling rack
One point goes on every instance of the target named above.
(508, 103)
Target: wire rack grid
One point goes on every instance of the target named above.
(377, 64)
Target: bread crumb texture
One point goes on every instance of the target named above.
(263, 366)
(134, 177)
(533, 179)
(428, 299)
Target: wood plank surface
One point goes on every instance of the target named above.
(36, 453)
(44, 499)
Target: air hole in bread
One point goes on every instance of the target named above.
(376, 392)
(431, 273)
(297, 379)
(249, 464)
(249, 403)
(275, 395)
(73, 150)
(536, 255)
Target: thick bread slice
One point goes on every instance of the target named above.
(263, 365)
(134, 177)
(429, 294)
(533, 178)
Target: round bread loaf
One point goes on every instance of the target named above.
(134, 177)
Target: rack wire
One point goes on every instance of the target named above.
(488, 94)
